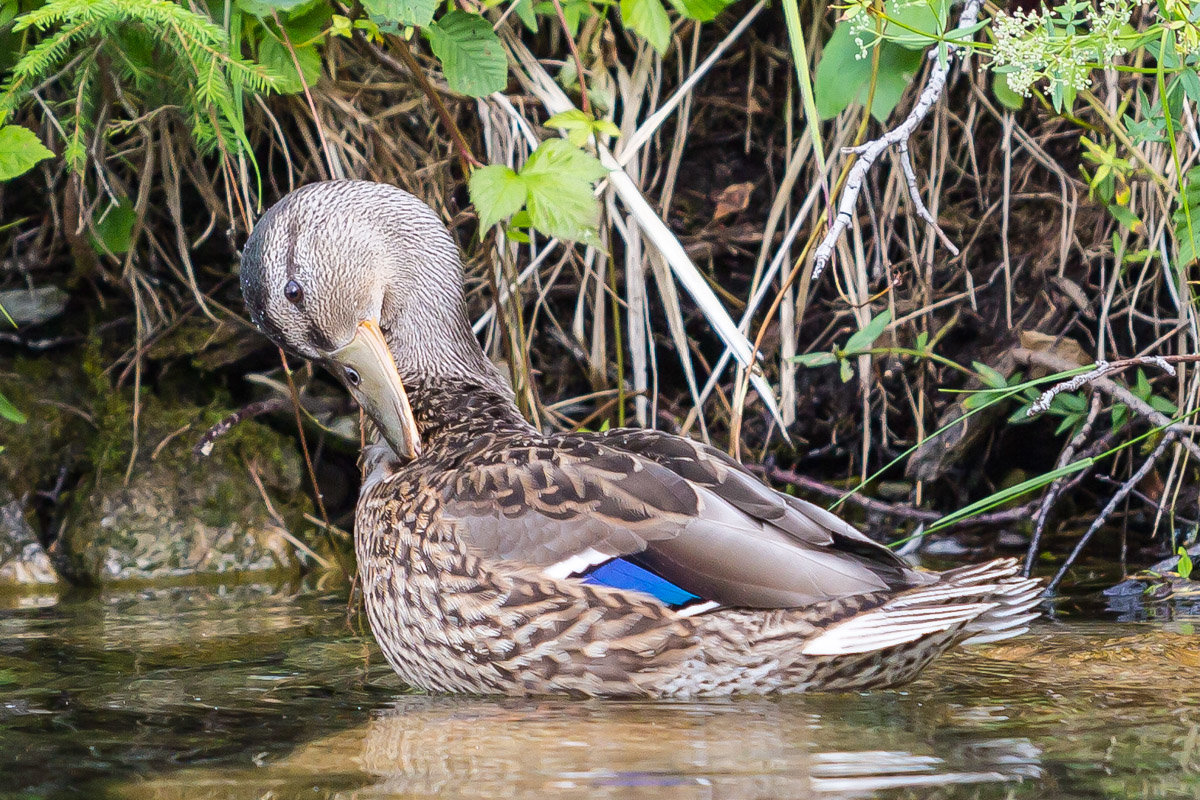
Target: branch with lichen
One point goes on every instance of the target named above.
(869, 152)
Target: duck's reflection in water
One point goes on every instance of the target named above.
(451, 747)
(484, 748)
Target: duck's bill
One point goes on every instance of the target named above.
(370, 373)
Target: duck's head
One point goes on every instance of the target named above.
(364, 278)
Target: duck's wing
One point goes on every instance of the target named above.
(662, 517)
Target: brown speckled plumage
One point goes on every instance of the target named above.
(475, 553)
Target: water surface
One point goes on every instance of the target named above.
(261, 692)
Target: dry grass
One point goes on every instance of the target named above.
(719, 151)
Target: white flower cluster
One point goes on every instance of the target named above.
(1061, 45)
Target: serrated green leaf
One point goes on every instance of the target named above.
(471, 53)
(497, 192)
(566, 120)
(649, 19)
(306, 25)
(418, 13)
(580, 127)
(863, 339)
(275, 56)
(20, 150)
(989, 376)
(10, 412)
(525, 12)
(819, 359)
(558, 178)
(114, 228)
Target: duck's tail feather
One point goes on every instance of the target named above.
(982, 602)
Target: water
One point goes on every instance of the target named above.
(257, 692)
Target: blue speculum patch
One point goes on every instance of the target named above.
(622, 574)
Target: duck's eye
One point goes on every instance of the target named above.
(352, 376)
(293, 291)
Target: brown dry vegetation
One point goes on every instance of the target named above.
(1036, 288)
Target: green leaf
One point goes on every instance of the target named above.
(524, 11)
(1020, 415)
(114, 228)
(275, 56)
(418, 13)
(863, 339)
(497, 192)
(580, 127)
(927, 17)
(989, 376)
(846, 372)
(10, 412)
(1005, 95)
(819, 359)
(20, 149)
(1163, 405)
(558, 178)
(1141, 386)
(981, 398)
(842, 79)
(263, 8)
(1068, 422)
(1184, 566)
(649, 19)
(701, 10)
(471, 53)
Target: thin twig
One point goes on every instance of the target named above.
(585, 104)
(1052, 494)
(456, 136)
(869, 152)
(1135, 404)
(1113, 502)
(1103, 368)
(204, 447)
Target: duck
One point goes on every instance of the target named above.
(498, 559)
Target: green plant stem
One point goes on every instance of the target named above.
(584, 103)
(791, 16)
(456, 137)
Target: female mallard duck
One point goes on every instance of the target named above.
(498, 559)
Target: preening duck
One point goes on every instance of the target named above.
(495, 558)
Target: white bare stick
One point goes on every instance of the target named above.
(630, 148)
(869, 152)
(1100, 369)
(914, 192)
(536, 80)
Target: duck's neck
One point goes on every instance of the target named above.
(450, 382)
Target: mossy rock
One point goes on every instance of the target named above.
(174, 515)
(23, 561)
(54, 394)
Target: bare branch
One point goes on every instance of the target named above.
(1113, 502)
(869, 152)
